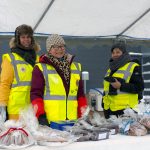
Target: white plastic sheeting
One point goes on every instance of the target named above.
(78, 17)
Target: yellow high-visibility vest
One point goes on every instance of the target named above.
(20, 89)
(57, 105)
(122, 100)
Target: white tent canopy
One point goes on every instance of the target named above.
(78, 17)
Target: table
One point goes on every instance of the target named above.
(115, 142)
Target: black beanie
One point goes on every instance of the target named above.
(121, 46)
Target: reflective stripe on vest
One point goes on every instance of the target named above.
(20, 90)
(123, 99)
(15, 63)
(126, 75)
(56, 104)
(47, 96)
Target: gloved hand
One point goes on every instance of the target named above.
(43, 120)
(2, 113)
(120, 80)
(109, 79)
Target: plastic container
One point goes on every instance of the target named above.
(60, 125)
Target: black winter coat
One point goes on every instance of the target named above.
(135, 85)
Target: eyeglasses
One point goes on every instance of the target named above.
(58, 46)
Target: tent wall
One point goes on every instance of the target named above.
(92, 53)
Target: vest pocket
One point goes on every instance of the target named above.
(17, 101)
(55, 110)
(120, 101)
(106, 101)
(72, 110)
(20, 98)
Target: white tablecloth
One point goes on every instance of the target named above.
(115, 142)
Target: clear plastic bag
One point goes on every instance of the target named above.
(2, 117)
(2, 114)
(28, 118)
(145, 121)
(44, 135)
(136, 129)
(15, 136)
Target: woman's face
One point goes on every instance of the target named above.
(58, 51)
(25, 40)
(116, 53)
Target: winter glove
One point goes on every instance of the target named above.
(109, 79)
(43, 120)
(2, 113)
(120, 80)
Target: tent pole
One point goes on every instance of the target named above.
(41, 18)
(134, 22)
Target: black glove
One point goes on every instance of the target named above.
(110, 79)
(43, 120)
(120, 80)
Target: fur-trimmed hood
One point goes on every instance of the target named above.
(12, 44)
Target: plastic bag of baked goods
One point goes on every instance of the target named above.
(145, 120)
(44, 135)
(131, 127)
(137, 129)
(15, 136)
(51, 137)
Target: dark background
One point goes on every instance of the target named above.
(93, 53)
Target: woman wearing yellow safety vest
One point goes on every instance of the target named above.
(123, 82)
(57, 89)
(16, 71)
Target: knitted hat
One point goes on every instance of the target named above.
(23, 29)
(54, 39)
(121, 46)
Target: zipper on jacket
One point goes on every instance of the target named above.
(66, 109)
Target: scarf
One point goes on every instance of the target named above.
(119, 62)
(28, 55)
(63, 65)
